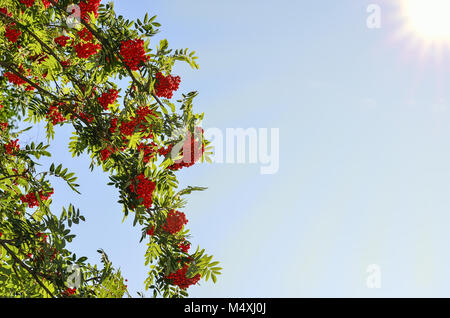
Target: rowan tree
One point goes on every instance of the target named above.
(61, 62)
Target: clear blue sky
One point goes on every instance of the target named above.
(364, 152)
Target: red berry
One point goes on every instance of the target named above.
(175, 222)
(166, 85)
(133, 53)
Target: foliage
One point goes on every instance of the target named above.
(62, 67)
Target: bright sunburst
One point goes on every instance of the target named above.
(428, 19)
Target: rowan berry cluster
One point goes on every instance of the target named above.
(12, 147)
(180, 279)
(31, 199)
(27, 3)
(69, 292)
(128, 128)
(55, 116)
(191, 152)
(88, 7)
(85, 35)
(86, 117)
(5, 11)
(174, 222)
(166, 85)
(16, 79)
(47, 3)
(184, 247)
(150, 232)
(87, 45)
(65, 64)
(133, 53)
(106, 153)
(62, 40)
(144, 190)
(149, 151)
(86, 50)
(11, 33)
(108, 98)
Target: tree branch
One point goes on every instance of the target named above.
(29, 270)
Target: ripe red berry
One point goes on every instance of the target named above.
(12, 34)
(87, 7)
(5, 11)
(184, 247)
(62, 40)
(151, 231)
(180, 279)
(54, 116)
(47, 3)
(28, 3)
(108, 98)
(144, 190)
(86, 50)
(12, 147)
(16, 79)
(31, 199)
(133, 53)
(174, 222)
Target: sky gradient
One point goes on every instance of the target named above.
(364, 152)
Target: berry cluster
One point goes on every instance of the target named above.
(85, 35)
(180, 279)
(65, 64)
(108, 98)
(31, 199)
(106, 153)
(12, 34)
(5, 11)
(174, 222)
(55, 116)
(144, 190)
(86, 50)
(133, 53)
(166, 85)
(27, 3)
(148, 150)
(16, 79)
(151, 231)
(184, 247)
(69, 292)
(62, 40)
(47, 3)
(13, 78)
(191, 152)
(128, 128)
(87, 46)
(113, 125)
(12, 147)
(87, 7)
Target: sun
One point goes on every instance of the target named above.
(428, 19)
